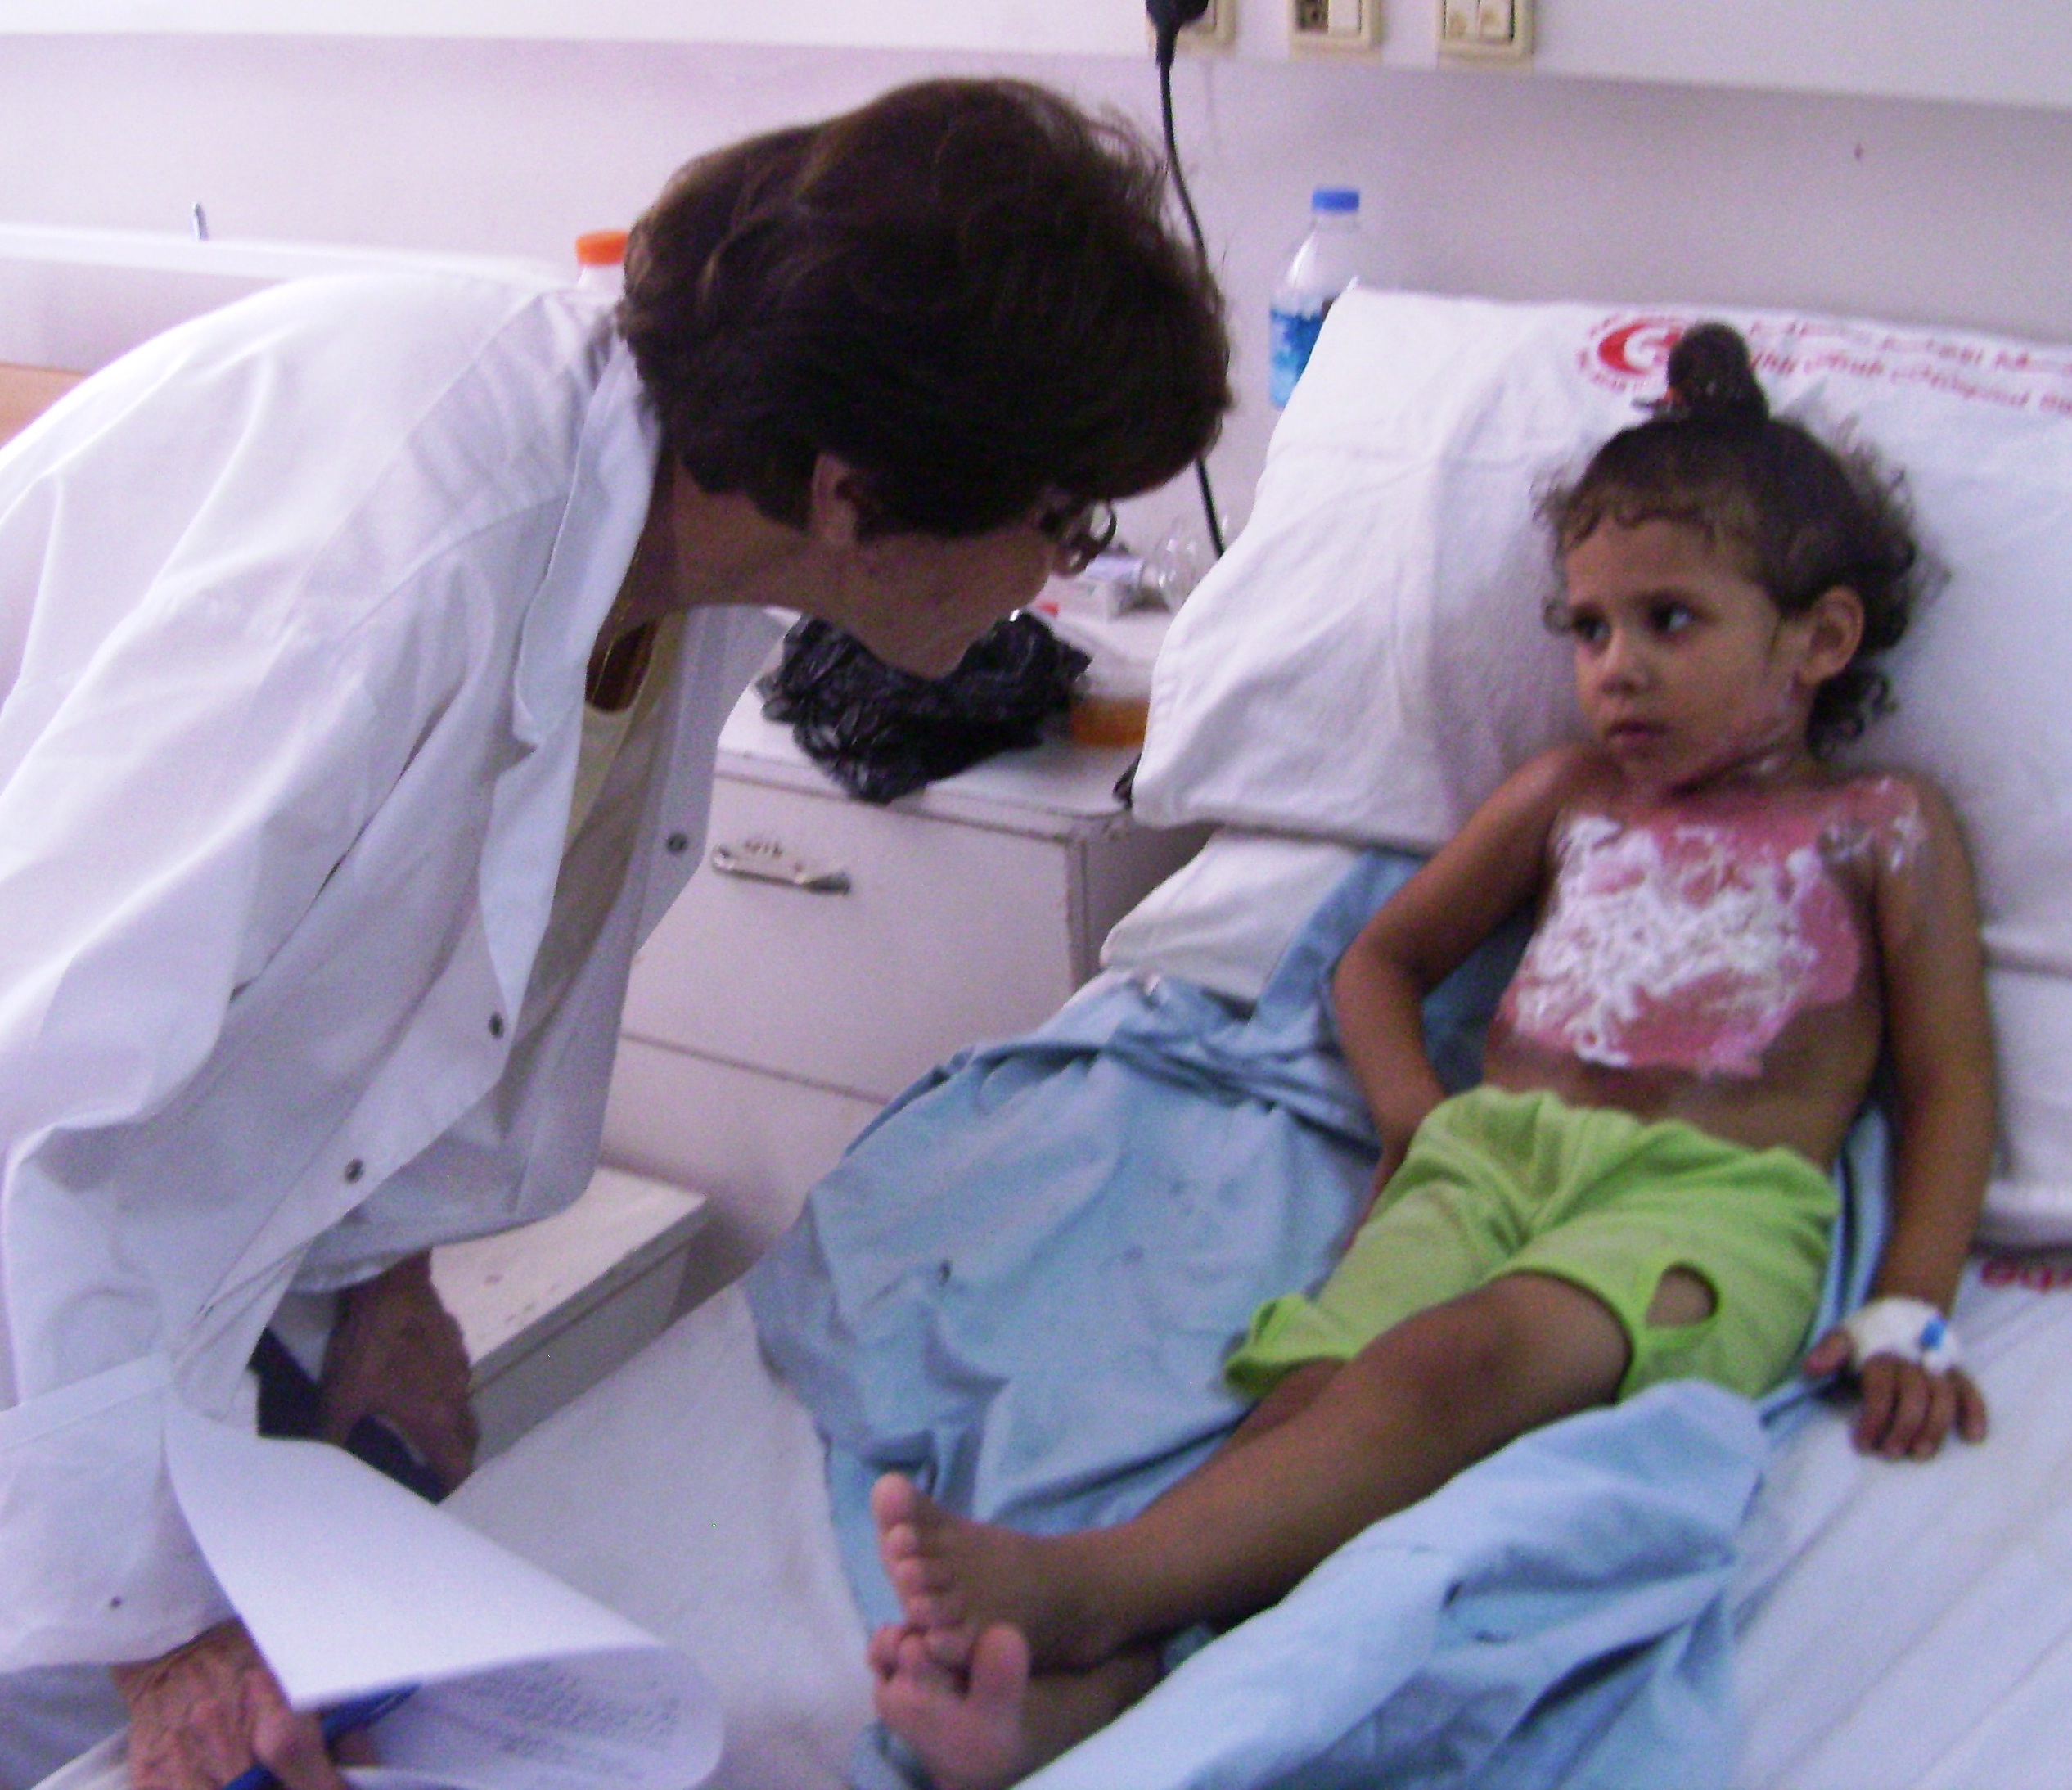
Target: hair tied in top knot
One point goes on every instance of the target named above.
(1712, 379)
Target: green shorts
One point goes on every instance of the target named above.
(1496, 1183)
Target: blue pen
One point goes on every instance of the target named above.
(345, 1718)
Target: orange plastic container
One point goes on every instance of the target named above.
(1098, 720)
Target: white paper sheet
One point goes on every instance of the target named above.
(350, 1584)
(640, 1721)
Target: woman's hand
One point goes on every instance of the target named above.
(204, 1712)
(396, 1353)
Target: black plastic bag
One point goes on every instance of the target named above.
(882, 733)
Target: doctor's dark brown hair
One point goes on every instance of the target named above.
(1799, 516)
(967, 290)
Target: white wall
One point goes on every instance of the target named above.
(1913, 49)
(1059, 26)
(1528, 186)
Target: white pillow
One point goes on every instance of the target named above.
(1224, 916)
(1368, 662)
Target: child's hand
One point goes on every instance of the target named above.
(1392, 1156)
(1908, 1407)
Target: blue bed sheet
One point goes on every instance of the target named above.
(1019, 1285)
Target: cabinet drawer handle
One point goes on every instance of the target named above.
(765, 860)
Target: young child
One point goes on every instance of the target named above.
(1728, 937)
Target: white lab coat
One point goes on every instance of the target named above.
(296, 604)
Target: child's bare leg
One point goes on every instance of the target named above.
(990, 1723)
(900, 1509)
(1433, 1396)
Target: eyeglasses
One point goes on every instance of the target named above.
(1078, 534)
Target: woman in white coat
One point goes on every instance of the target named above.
(363, 649)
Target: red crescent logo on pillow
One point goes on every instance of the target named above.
(1638, 348)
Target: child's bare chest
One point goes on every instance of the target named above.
(1689, 938)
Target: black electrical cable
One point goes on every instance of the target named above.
(1167, 18)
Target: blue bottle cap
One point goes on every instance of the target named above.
(1335, 199)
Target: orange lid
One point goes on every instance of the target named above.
(601, 248)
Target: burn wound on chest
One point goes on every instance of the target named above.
(1686, 944)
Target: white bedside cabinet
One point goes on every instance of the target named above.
(550, 1309)
(828, 952)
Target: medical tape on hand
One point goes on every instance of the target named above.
(1911, 1328)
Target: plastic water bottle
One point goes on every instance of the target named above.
(1325, 263)
(600, 261)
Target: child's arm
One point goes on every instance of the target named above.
(1491, 867)
(1940, 1039)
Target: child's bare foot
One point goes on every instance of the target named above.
(989, 1724)
(964, 1726)
(955, 1578)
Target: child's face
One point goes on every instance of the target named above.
(1686, 671)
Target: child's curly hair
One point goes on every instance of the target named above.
(1799, 515)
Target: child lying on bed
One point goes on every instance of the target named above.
(1728, 934)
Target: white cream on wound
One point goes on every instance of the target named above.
(1689, 940)
(1880, 818)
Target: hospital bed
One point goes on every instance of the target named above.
(1361, 669)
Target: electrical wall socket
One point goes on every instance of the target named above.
(1215, 29)
(1333, 27)
(1485, 30)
